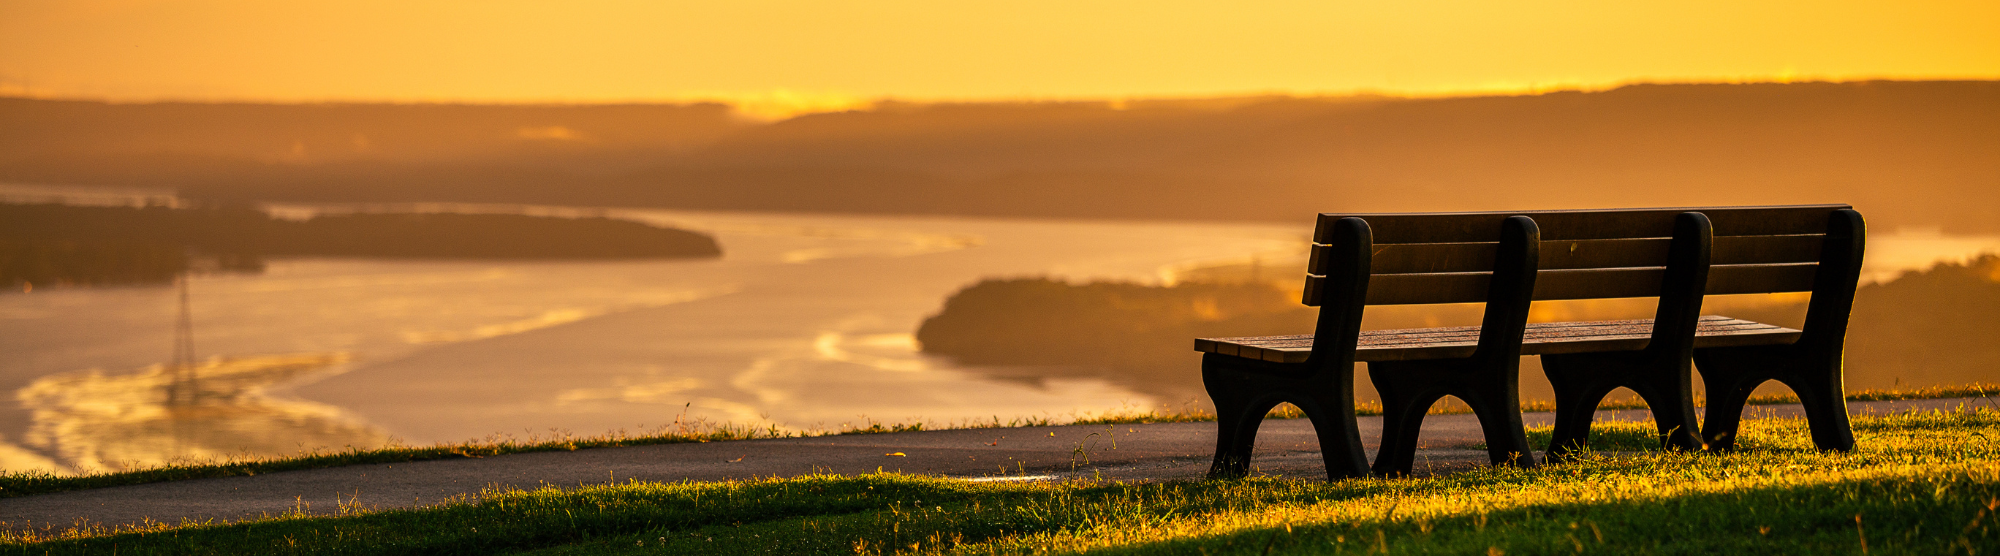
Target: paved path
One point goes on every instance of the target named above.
(1139, 452)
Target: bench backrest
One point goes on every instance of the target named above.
(1420, 258)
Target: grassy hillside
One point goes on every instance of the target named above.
(1920, 483)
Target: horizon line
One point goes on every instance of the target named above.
(780, 104)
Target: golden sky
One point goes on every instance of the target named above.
(821, 51)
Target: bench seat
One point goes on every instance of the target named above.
(1541, 338)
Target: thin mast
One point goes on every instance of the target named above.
(182, 391)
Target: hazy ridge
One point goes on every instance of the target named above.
(1905, 153)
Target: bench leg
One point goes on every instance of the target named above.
(1236, 436)
(1408, 388)
(1496, 399)
(1728, 383)
(1577, 396)
(1582, 380)
(1405, 400)
(1239, 410)
(1244, 395)
(1329, 402)
(1826, 411)
(1733, 373)
(1671, 401)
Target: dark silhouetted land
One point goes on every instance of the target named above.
(1924, 329)
(57, 244)
(1136, 335)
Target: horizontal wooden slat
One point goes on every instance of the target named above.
(1761, 278)
(1766, 249)
(1727, 221)
(1603, 253)
(1412, 258)
(1645, 282)
(1470, 287)
(1540, 339)
(1603, 283)
(1475, 227)
(1413, 289)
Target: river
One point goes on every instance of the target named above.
(805, 323)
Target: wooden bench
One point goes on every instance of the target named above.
(1508, 260)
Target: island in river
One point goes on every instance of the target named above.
(52, 244)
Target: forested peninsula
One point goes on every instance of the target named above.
(1927, 328)
(51, 244)
(1135, 335)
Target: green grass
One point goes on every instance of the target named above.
(1923, 482)
(13, 484)
(1605, 436)
(1974, 390)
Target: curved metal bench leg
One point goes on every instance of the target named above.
(1330, 406)
(1407, 390)
(1577, 396)
(1826, 411)
(1811, 366)
(1728, 375)
(1495, 398)
(1669, 395)
(1245, 391)
(1238, 413)
(1733, 373)
(1582, 380)
(1400, 425)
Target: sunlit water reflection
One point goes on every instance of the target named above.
(805, 322)
(97, 420)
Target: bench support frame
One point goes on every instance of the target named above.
(1322, 386)
(1811, 366)
(1443, 258)
(1660, 373)
(1487, 380)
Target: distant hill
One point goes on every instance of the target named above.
(1905, 153)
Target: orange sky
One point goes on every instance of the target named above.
(819, 51)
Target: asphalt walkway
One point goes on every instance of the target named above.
(1161, 451)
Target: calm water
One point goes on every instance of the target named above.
(805, 322)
